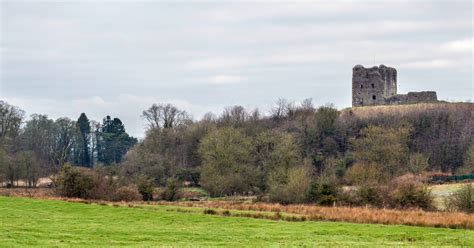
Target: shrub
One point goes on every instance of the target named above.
(409, 192)
(146, 188)
(362, 174)
(289, 186)
(210, 211)
(461, 200)
(171, 193)
(84, 183)
(74, 183)
(193, 193)
(127, 193)
(323, 193)
(369, 195)
(417, 164)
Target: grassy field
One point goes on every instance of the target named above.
(440, 192)
(29, 222)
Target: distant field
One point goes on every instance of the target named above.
(27, 222)
(440, 192)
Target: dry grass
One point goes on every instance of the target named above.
(292, 212)
(355, 215)
(28, 192)
(369, 112)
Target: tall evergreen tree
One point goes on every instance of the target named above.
(113, 141)
(84, 128)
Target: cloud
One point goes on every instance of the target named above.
(429, 64)
(225, 79)
(118, 58)
(463, 46)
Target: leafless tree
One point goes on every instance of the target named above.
(235, 115)
(165, 116)
(307, 105)
(10, 119)
(278, 111)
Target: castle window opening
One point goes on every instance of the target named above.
(374, 97)
(373, 86)
(361, 86)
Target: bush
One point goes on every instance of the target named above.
(322, 193)
(289, 186)
(369, 195)
(84, 183)
(127, 193)
(461, 200)
(363, 174)
(146, 188)
(210, 211)
(193, 193)
(409, 192)
(172, 192)
(74, 183)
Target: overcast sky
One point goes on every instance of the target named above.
(117, 57)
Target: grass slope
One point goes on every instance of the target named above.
(28, 222)
(442, 191)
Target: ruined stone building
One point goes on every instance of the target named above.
(378, 86)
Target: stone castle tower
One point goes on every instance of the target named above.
(378, 86)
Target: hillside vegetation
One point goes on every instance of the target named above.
(58, 223)
(368, 156)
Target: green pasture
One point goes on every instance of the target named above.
(29, 222)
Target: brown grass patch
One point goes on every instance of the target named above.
(300, 212)
(346, 214)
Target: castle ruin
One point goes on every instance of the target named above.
(378, 86)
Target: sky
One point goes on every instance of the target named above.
(62, 58)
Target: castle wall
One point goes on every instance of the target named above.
(378, 86)
(371, 86)
(413, 98)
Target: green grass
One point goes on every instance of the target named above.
(27, 222)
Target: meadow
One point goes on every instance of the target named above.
(36, 222)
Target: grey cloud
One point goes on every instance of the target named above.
(58, 56)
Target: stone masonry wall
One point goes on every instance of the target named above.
(372, 86)
(378, 86)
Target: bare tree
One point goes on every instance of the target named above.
(279, 109)
(63, 141)
(165, 116)
(10, 119)
(307, 105)
(235, 115)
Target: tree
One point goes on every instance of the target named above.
(10, 119)
(385, 147)
(38, 136)
(274, 150)
(30, 168)
(113, 141)
(227, 163)
(4, 163)
(279, 110)
(10, 169)
(234, 116)
(84, 127)
(63, 138)
(417, 163)
(165, 116)
(289, 185)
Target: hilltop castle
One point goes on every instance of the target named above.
(378, 86)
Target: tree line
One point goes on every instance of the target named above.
(40, 146)
(294, 153)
